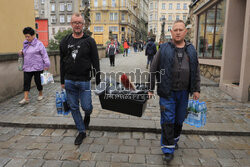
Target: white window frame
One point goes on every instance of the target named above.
(123, 17)
(177, 17)
(178, 6)
(104, 3)
(62, 19)
(62, 7)
(69, 7)
(151, 6)
(170, 6)
(113, 28)
(68, 18)
(42, 1)
(185, 6)
(163, 6)
(113, 3)
(53, 7)
(98, 16)
(53, 19)
(95, 3)
(98, 29)
(170, 17)
(113, 16)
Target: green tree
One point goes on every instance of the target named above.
(54, 43)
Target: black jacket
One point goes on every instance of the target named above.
(86, 59)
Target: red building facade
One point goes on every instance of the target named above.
(42, 30)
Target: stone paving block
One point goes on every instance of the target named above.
(36, 132)
(191, 144)
(58, 132)
(96, 134)
(136, 158)
(70, 164)
(47, 132)
(43, 139)
(88, 140)
(27, 139)
(110, 134)
(130, 142)
(238, 154)
(68, 140)
(56, 139)
(4, 160)
(155, 150)
(207, 153)
(115, 164)
(70, 155)
(190, 153)
(176, 161)
(27, 131)
(127, 149)
(37, 154)
(52, 163)
(85, 156)
(224, 154)
(20, 153)
(19, 146)
(88, 164)
(68, 147)
(211, 162)
(142, 150)
(111, 149)
(34, 163)
(35, 146)
(145, 142)
(101, 140)
(156, 143)
(137, 135)
(6, 144)
(15, 163)
(190, 161)
(244, 162)
(96, 148)
(7, 136)
(115, 142)
(103, 157)
(149, 136)
(124, 135)
(102, 164)
(228, 162)
(154, 159)
(53, 155)
(70, 132)
(53, 146)
(5, 130)
(119, 157)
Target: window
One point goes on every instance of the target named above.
(170, 6)
(177, 17)
(151, 17)
(156, 16)
(98, 29)
(210, 31)
(53, 7)
(185, 6)
(36, 25)
(98, 16)
(42, 1)
(184, 18)
(42, 11)
(163, 6)
(123, 29)
(53, 19)
(163, 17)
(113, 28)
(169, 28)
(156, 5)
(62, 19)
(170, 17)
(69, 7)
(95, 3)
(68, 18)
(151, 6)
(123, 17)
(104, 3)
(113, 3)
(61, 7)
(113, 16)
(178, 6)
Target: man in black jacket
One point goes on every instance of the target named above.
(78, 53)
(150, 51)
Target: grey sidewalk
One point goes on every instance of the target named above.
(225, 115)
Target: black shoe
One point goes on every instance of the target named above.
(176, 146)
(80, 138)
(86, 121)
(168, 157)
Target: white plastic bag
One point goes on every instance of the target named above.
(46, 78)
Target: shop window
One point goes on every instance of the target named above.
(210, 31)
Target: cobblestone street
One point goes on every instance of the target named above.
(34, 135)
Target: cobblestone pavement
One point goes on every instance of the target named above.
(30, 147)
(225, 115)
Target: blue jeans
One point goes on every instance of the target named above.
(173, 113)
(79, 91)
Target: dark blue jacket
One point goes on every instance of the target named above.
(167, 54)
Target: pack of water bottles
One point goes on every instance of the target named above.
(197, 113)
(62, 106)
(46, 78)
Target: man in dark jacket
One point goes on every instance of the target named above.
(177, 65)
(150, 51)
(78, 53)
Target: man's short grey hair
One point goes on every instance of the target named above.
(78, 15)
(179, 21)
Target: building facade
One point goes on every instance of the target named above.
(42, 32)
(166, 11)
(127, 19)
(221, 33)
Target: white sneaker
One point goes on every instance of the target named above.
(39, 98)
(24, 101)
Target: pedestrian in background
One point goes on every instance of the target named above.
(126, 47)
(112, 52)
(35, 61)
(78, 54)
(150, 51)
(135, 46)
(181, 77)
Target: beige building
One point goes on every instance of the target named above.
(127, 19)
(221, 34)
(168, 11)
(15, 15)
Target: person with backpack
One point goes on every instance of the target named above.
(150, 51)
(126, 47)
(112, 52)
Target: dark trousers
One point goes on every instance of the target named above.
(112, 60)
(28, 77)
(125, 52)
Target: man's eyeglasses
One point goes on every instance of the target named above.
(77, 23)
